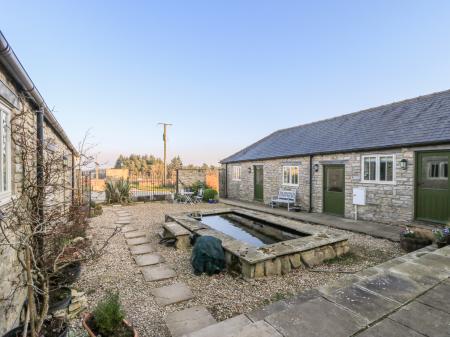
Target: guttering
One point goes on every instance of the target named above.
(12, 64)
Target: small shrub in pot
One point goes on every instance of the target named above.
(209, 194)
(108, 320)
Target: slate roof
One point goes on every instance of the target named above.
(417, 121)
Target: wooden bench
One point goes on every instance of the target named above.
(284, 197)
(181, 234)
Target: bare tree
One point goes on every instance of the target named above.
(46, 221)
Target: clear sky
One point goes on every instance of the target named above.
(225, 73)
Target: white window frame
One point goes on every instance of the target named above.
(5, 196)
(377, 169)
(236, 173)
(290, 167)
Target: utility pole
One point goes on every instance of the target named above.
(165, 149)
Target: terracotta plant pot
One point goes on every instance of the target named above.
(88, 316)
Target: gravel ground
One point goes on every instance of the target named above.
(224, 295)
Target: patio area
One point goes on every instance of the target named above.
(223, 296)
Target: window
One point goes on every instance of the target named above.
(5, 154)
(378, 168)
(236, 173)
(290, 175)
(437, 169)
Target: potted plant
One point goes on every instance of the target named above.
(411, 241)
(107, 319)
(210, 195)
(441, 236)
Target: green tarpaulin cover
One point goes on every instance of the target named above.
(208, 255)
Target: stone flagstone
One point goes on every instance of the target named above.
(148, 259)
(175, 293)
(188, 320)
(127, 229)
(142, 249)
(135, 234)
(158, 273)
(137, 241)
(122, 222)
(227, 328)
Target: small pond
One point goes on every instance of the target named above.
(252, 231)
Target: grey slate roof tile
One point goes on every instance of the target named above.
(420, 120)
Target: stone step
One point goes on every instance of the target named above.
(258, 329)
(142, 249)
(227, 328)
(175, 229)
(188, 320)
(162, 272)
(130, 228)
(135, 234)
(175, 293)
(137, 241)
(148, 259)
(123, 222)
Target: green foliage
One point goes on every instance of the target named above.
(96, 210)
(209, 194)
(198, 186)
(117, 191)
(108, 315)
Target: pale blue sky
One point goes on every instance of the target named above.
(225, 73)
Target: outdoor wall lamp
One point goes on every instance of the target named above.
(250, 170)
(403, 164)
(65, 160)
(316, 167)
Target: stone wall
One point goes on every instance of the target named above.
(188, 177)
(11, 276)
(387, 203)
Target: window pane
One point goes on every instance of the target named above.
(370, 168)
(285, 175)
(386, 168)
(4, 132)
(294, 179)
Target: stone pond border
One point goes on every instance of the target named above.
(274, 259)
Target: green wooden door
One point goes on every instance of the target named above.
(334, 189)
(258, 181)
(432, 187)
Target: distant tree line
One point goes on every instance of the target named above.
(149, 164)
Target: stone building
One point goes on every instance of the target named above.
(386, 164)
(17, 95)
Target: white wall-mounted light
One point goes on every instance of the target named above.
(249, 170)
(316, 167)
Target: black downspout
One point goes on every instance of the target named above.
(177, 188)
(226, 181)
(73, 178)
(310, 184)
(40, 169)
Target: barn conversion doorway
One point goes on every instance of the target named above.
(432, 187)
(334, 189)
(258, 181)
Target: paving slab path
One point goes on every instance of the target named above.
(141, 249)
(135, 234)
(174, 293)
(375, 229)
(406, 296)
(148, 259)
(159, 273)
(188, 320)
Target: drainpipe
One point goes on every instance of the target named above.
(40, 164)
(12, 64)
(226, 180)
(310, 184)
(73, 178)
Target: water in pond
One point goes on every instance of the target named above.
(252, 231)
